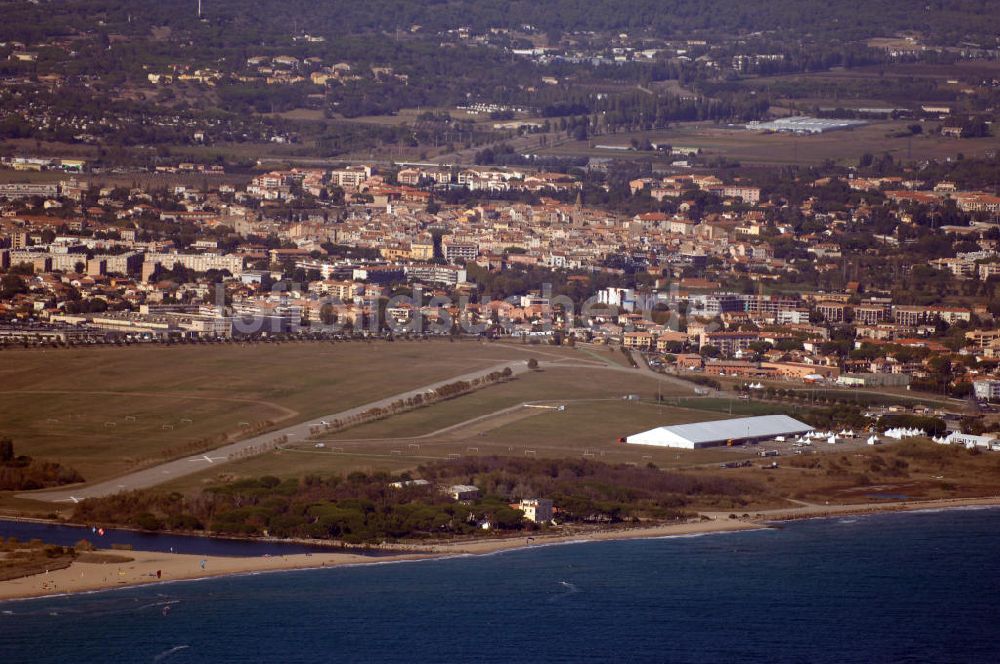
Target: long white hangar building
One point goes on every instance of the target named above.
(721, 432)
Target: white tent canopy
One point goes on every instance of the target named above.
(720, 432)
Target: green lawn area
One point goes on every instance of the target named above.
(554, 384)
(735, 407)
(608, 355)
(595, 416)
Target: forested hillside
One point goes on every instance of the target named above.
(940, 20)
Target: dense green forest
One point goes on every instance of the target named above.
(219, 81)
(365, 508)
(941, 20)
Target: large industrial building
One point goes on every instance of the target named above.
(802, 124)
(721, 432)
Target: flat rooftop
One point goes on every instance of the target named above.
(718, 432)
(803, 124)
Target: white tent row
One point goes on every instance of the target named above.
(969, 441)
(827, 435)
(899, 433)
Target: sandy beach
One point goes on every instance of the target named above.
(152, 567)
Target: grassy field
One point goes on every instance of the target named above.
(107, 411)
(409, 116)
(555, 385)
(495, 422)
(750, 148)
(608, 355)
(241, 152)
(734, 407)
(104, 411)
(938, 73)
(880, 396)
(584, 429)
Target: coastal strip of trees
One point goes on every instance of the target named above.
(370, 508)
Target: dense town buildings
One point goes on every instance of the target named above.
(308, 250)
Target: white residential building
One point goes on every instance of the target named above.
(538, 510)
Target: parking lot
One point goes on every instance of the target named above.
(766, 452)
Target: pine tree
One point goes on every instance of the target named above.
(6, 450)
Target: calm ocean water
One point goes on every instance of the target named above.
(918, 587)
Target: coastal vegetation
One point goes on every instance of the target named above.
(909, 469)
(19, 559)
(368, 508)
(24, 473)
(362, 508)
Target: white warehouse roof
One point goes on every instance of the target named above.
(719, 432)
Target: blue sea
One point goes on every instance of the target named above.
(914, 587)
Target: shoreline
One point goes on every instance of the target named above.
(82, 577)
(318, 544)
